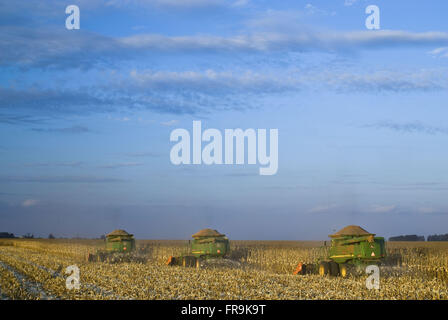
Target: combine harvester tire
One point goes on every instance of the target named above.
(334, 269)
(343, 269)
(188, 261)
(324, 268)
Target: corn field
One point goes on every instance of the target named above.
(36, 269)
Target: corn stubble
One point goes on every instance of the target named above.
(35, 269)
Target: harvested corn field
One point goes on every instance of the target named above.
(36, 269)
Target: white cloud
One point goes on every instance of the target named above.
(49, 47)
(306, 40)
(386, 80)
(72, 164)
(179, 4)
(410, 127)
(310, 9)
(284, 21)
(189, 92)
(211, 81)
(57, 179)
(426, 210)
(169, 123)
(440, 52)
(30, 202)
(121, 165)
(322, 208)
(382, 208)
(240, 3)
(349, 3)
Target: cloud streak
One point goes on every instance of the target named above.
(349, 3)
(176, 4)
(20, 119)
(57, 179)
(68, 130)
(410, 127)
(440, 52)
(27, 47)
(169, 123)
(76, 164)
(323, 208)
(143, 154)
(382, 208)
(285, 42)
(121, 165)
(193, 92)
(30, 203)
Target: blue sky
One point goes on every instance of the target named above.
(86, 116)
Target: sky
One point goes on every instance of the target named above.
(86, 117)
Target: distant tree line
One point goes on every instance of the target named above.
(412, 237)
(6, 235)
(438, 237)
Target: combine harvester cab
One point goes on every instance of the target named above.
(120, 247)
(351, 248)
(206, 244)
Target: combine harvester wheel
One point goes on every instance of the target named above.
(324, 268)
(185, 261)
(334, 269)
(198, 263)
(343, 269)
(91, 257)
(188, 261)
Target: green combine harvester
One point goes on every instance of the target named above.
(120, 247)
(206, 244)
(351, 248)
